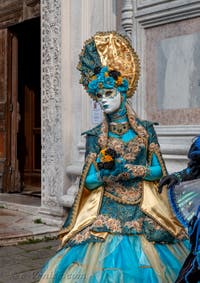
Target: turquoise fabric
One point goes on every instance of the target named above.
(119, 259)
(89, 59)
(93, 179)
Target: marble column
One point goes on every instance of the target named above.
(66, 108)
(53, 170)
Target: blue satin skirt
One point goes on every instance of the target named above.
(119, 259)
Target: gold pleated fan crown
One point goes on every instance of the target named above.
(112, 50)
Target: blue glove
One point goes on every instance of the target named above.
(119, 169)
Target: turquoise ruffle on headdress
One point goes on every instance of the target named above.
(103, 80)
(88, 60)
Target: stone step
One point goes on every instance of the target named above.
(24, 203)
(17, 226)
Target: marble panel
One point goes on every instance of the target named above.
(178, 72)
(172, 73)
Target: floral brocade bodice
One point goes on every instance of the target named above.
(133, 152)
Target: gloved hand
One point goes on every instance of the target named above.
(194, 166)
(194, 151)
(119, 169)
(169, 180)
(106, 159)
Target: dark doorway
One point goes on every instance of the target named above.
(29, 113)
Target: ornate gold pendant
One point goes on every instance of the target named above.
(119, 129)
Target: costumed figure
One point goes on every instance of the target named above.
(120, 229)
(184, 195)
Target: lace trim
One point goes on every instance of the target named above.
(138, 170)
(121, 200)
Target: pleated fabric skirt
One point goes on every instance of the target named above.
(119, 259)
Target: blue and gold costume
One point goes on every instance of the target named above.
(119, 229)
(184, 195)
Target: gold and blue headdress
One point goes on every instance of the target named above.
(108, 60)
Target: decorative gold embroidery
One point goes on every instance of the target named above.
(153, 223)
(128, 151)
(111, 223)
(82, 236)
(95, 165)
(123, 176)
(155, 148)
(114, 225)
(135, 224)
(120, 200)
(122, 195)
(119, 129)
(103, 137)
(140, 130)
(138, 170)
(116, 145)
(157, 227)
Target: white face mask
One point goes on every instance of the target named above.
(109, 99)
